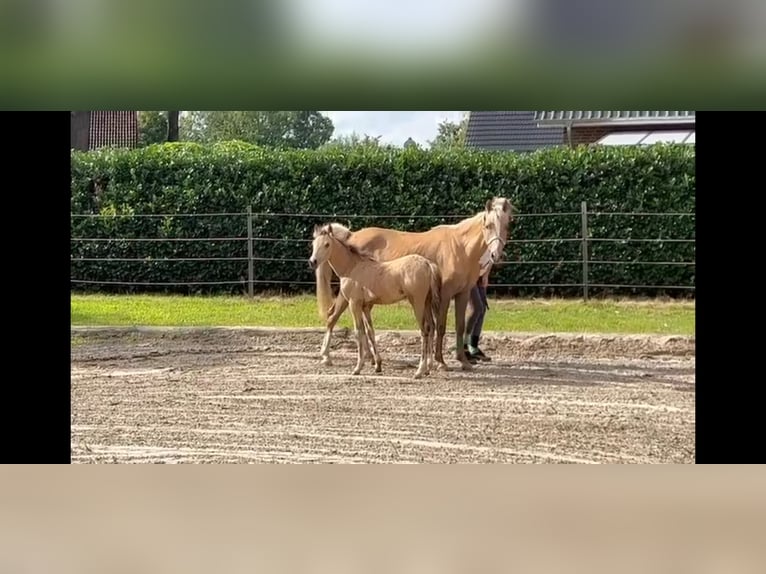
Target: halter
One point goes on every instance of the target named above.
(487, 252)
(495, 238)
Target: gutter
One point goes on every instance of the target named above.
(620, 122)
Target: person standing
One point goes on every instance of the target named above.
(480, 306)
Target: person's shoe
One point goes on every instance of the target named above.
(469, 356)
(478, 354)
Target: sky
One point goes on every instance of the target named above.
(397, 27)
(393, 127)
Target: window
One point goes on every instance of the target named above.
(623, 138)
(648, 138)
(669, 137)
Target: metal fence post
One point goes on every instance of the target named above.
(584, 231)
(250, 251)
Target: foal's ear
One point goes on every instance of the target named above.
(316, 230)
(329, 229)
(488, 207)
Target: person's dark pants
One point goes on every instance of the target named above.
(475, 319)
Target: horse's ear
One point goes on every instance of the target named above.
(329, 229)
(488, 207)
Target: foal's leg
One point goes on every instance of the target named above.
(441, 328)
(370, 331)
(366, 353)
(430, 332)
(358, 315)
(418, 305)
(461, 301)
(367, 309)
(332, 320)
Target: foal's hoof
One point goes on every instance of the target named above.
(466, 366)
(440, 367)
(378, 369)
(326, 361)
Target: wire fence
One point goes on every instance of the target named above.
(247, 257)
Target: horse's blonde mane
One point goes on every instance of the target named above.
(343, 234)
(501, 205)
(339, 230)
(504, 207)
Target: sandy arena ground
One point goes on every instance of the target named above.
(255, 395)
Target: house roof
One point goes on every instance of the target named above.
(515, 130)
(113, 128)
(613, 117)
(527, 131)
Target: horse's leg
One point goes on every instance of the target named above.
(370, 330)
(338, 308)
(358, 316)
(461, 300)
(441, 329)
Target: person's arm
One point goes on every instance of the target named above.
(485, 280)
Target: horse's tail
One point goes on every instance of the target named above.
(325, 297)
(435, 292)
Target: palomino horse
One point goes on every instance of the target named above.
(456, 250)
(365, 282)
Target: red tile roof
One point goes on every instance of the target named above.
(111, 128)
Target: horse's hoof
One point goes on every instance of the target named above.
(441, 367)
(326, 361)
(378, 369)
(466, 366)
(417, 375)
(356, 372)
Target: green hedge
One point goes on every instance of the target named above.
(191, 178)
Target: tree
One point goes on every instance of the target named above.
(152, 128)
(354, 140)
(411, 143)
(192, 127)
(309, 130)
(279, 129)
(157, 127)
(173, 126)
(450, 135)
